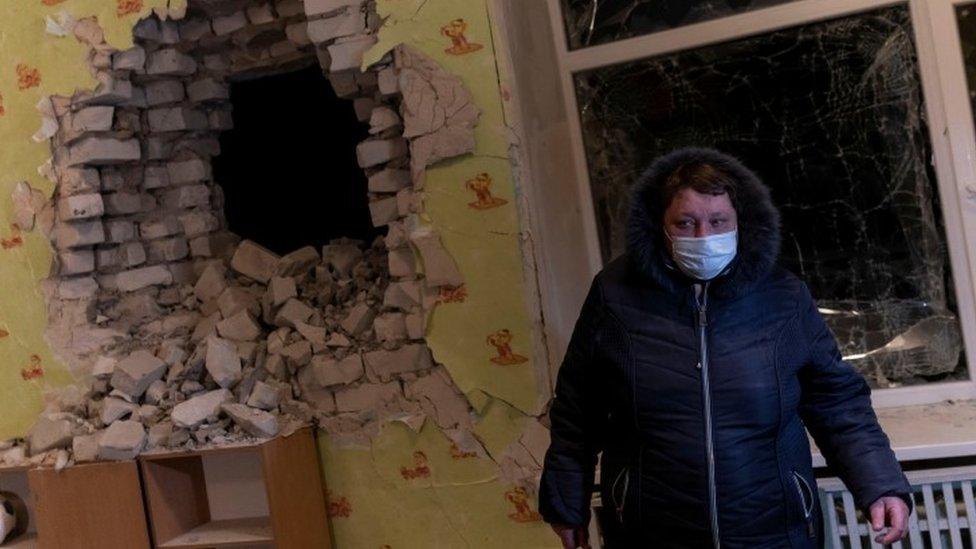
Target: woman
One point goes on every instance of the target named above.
(694, 366)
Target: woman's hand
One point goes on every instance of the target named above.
(889, 511)
(572, 536)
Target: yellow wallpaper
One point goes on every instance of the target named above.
(483, 338)
(35, 63)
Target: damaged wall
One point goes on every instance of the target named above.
(411, 486)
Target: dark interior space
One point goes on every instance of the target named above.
(288, 168)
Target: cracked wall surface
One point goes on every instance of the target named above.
(414, 484)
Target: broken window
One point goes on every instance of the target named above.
(288, 168)
(592, 22)
(830, 115)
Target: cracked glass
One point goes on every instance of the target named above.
(593, 22)
(830, 115)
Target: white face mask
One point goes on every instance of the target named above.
(703, 257)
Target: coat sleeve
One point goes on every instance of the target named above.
(578, 418)
(835, 406)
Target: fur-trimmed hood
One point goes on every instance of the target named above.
(758, 224)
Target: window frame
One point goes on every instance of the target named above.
(950, 124)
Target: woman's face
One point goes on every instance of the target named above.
(692, 213)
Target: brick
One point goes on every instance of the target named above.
(260, 15)
(81, 206)
(169, 61)
(320, 7)
(208, 89)
(329, 371)
(383, 211)
(122, 203)
(239, 327)
(137, 279)
(119, 230)
(73, 235)
(190, 413)
(255, 261)
(226, 24)
(211, 283)
(222, 362)
(297, 33)
(337, 26)
(132, 59)
(131, 254)
(168, 249)
(199, 223)
(163, 92)
(133, 374)
(75, 262)
(375, 152)
(347, 55)
(97, 151)
(298, 262)
(159, 228)
(186, 197)
(170, 119)
(93, 119)
(193, 170)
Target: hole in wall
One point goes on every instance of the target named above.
(288, 168)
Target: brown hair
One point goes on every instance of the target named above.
(701, 177)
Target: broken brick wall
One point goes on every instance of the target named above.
(480, 331)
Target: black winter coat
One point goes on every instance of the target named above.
(700, 409)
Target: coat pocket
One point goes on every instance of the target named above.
(806, 497)
(618, 492)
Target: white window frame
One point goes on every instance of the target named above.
(950, 124)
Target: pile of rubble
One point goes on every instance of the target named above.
(261, 344)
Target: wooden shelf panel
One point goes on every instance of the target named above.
(225, 533)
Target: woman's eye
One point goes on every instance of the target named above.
(718, 222)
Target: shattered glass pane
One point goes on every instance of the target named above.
(966, 16)
(592, 22)
(830, 115)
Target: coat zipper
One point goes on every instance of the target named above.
(707, 402)
(619, 506)
(804, 496)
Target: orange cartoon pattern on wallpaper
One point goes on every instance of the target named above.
(481, 185)
(452, 294)
(126, 7)
(502, 341)
(27, 76)
(337, 507)
(4, 333)
(459, 43)
(520, 499)
(420, 468)
(3, 111)
(33, 370)
(15, 240)
(51, 2)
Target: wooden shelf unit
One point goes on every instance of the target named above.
(179, 511)
(89, 506)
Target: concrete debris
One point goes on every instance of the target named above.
(255, 261)
(122, 440)
(223, 362)
(189, 414)
(256, 422)
(48, 434)
(135, 373)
